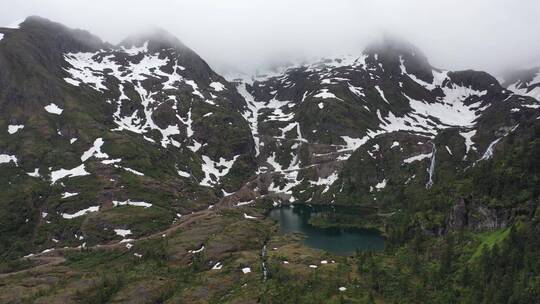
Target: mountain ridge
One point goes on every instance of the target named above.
(143, 149)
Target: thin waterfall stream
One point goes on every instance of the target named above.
(431, 168)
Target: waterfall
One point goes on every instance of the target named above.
(431, 168)
(263, 257)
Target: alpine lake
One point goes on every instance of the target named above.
(322, 228)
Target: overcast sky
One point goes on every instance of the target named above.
(248, 34)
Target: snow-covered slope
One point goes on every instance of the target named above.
(311, 118)
(100, 138)
(525, 82)
(144, 121)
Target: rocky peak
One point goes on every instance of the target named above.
(477, 80)
(392, 52)
(158, 40)
(58, 36)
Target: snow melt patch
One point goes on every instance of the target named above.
(324, 94)
(5, 158)
(122, 232)
(198, 250)
(53, 109)
(381, 185)
(246, 270)
(452, 111)
(327, 181)
(217, 86)
(354, 143)
(183, 173)
(356, 90)
(195, 88)
(418, 157)
(468, 141)
(131, 203)
(133, 171)
(12, 129)
(381, 92)
(95, 151)
(249, 216)
(80, 213)
(213, 171)
(35, 173)
(111, 161)
(59, 174)
(69, 194)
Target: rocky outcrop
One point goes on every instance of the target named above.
(477, 217)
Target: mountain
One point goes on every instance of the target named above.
(356, 129)
(524, 82)
(135, 173)
(90, 126)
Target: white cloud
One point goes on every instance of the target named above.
(481, 34)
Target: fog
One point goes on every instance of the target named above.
(246, 35)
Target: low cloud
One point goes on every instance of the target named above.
(246, 35)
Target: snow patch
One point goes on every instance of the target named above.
(468, 141)
(249, 217)
(217, 86)
(213, 171)
(59, 174)
(12, 129)
(122, 232)
(325, 94)
(80, 213)
(5, 158)
(381, 185)
(53, 109)
(183, 173)
(198, 250)
(69, 194)
(380, 91)
(131, 203)
(35, 173)
(418, 157)
(133, 171)
(95, 151)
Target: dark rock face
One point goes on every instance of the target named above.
(392, 51)
(477, 217)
